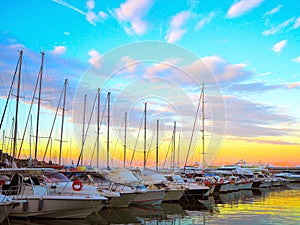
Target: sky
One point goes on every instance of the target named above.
(245, 53)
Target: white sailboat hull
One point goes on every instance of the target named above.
(152, 197)
(123, 201)
(173, 195)
(59, 207)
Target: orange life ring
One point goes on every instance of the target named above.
(77, 185)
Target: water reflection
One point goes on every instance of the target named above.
(261, 206)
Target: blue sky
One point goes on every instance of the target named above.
(252, 48)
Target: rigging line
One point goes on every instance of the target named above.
(119, 133)
(168, 151)
(87, 129)
(98, 131)
(27, 121)
(137, 139)
(9, 93)
(93, 152)
(195, 120)
(52, 128)
(103, 112)
(150, 145)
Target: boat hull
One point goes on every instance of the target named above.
(5, 209)
(123, 201)
(173, 195)
(151, 197)
(59, 207)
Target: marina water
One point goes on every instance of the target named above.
(275, 205)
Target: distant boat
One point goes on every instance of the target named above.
(291, 177)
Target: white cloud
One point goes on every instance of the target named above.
(279, 46)
(131, 12)
(91, 17)
(242, 7)
(210, 67)
(294, 85)
(297, 59)
(265, 74)
(90, 4)
(297, 23)
(205, 20)
(66, 33)
(59, 50)
(175, 31)
(278, 28)
(102, 14)
(273, 11)
(94, 60)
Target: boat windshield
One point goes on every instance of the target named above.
(51, 177)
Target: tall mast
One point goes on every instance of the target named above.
(17, 108)
(98, 129)
(38, 110)
(174, 145)
(202, 118)
(157, 128)
(178, 150)
(108, 124)
(83, 125)
(62, 121)
(145, 133)
(30, 144)
(125, 136)
(3, 144)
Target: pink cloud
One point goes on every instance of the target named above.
(205, 21)
(175, 31)
(294, 85)
(297, 23)
(276, 29)
(242, 7)
(90, 4)
(59, 50)
(132, 12)
(94, 60)
(102, 14)
(277, 48)
(297, 59)
(273, 11)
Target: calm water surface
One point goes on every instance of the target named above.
(264, 206)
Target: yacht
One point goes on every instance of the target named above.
(145, 195)
(28, 186)
(119, 195)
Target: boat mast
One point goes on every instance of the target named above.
(83, 124)
(157, 128)
(98, 128)
(62, 122)
(202, 118)
(38, 110)
(108, 124)
(30, 144)
(174, 146)
(145, 133)
(125, 136)
(17, 108)
(178, 150)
